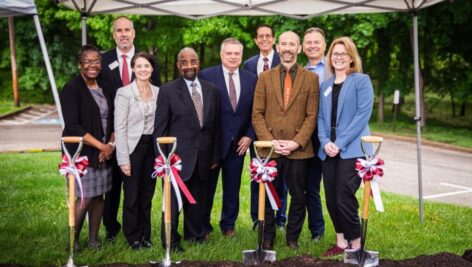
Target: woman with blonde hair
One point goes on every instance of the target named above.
(345, 107)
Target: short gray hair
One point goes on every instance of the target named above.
(230, 40)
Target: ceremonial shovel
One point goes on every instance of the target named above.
(363, 257)
(259, 256)
(166, 262)
(71, 177)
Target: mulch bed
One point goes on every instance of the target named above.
(441, 259)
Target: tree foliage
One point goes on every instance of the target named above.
(384, 42)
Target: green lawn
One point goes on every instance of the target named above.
(8, 107)
(440, 126)
(33, 224)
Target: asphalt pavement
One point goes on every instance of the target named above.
(447, 172)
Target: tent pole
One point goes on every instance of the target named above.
(84, 29)
(418, 112)
(48, 68)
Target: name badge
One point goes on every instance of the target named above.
(328, 91)
(113, 65)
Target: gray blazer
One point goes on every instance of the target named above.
(129, 120)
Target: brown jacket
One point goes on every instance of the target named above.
(272, 122)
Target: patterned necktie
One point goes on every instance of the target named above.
(287, 88)
(124, 71)
(266, 64)
(232, 92)
(197, 102)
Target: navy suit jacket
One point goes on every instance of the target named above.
(176, 116)
(251, 63)
(355, 104)
(234, 124)
(112, 76)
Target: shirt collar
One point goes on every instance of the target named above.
(226, 71)
(269, 56)
(129, 55)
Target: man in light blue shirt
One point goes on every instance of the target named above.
(314, 47)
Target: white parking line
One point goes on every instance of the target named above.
(467, 190)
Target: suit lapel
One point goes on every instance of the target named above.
(222, 85)
(275, 77)
(139, 101)
(342, 95)
(299, 78)
(206, 99)
(116, 71)
(327, 101)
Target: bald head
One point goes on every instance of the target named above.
(188, 63)
(288, 48)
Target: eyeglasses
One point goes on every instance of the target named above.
(343, 54)
(90, 62)
(267, 36)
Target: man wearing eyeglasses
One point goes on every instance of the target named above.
(314, 47)
(265, 60)
(116, 72)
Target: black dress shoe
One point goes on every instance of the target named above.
(135, 245)
(316, 238)
(268, 245)
(146, 243)
(77, 247)
(94, 245)
(111, 238)
(292, 244)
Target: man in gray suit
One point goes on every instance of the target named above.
(189, 109)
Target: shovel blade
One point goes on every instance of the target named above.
(360, 257)
(257, 257)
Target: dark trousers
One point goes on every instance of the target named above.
(231, 167)
(194, 229)
(341, 183)
(112, 202)
(138, 192)
(294, 173)
(281, 215)
(313, 201)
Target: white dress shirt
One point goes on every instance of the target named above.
(237, 84)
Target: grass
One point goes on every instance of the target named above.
(7, 107)
(440, 126)
(33, 224)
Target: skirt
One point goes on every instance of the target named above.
(96, 182)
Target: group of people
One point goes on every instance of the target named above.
(315, 116)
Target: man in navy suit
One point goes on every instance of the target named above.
(265, 60)
(236, 88)
(116, 72)
(188, 108)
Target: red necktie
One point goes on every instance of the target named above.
(266, 64)
(287, 88)
(124, 71)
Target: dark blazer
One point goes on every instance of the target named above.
(251, 63)
(234, 125)
(297, 122)
(82, 115)
(113, 77)
(176, 116)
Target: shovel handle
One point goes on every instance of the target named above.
(372, 139)
(365, 205)
(261, 144)
(71, 200)
(72, 139)
(261, 210)
(167, 211)
(166, 140)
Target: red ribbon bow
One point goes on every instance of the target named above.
(78, 169)
(175, 167)
(266, 173)
(367, 170)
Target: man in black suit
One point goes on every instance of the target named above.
(189, 108)
(116, 72)
(266, 59)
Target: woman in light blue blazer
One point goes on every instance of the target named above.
(345, 107)
(135, 107)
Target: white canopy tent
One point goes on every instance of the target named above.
(10, 8)
(300, 9)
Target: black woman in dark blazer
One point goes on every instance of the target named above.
(88, 112)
